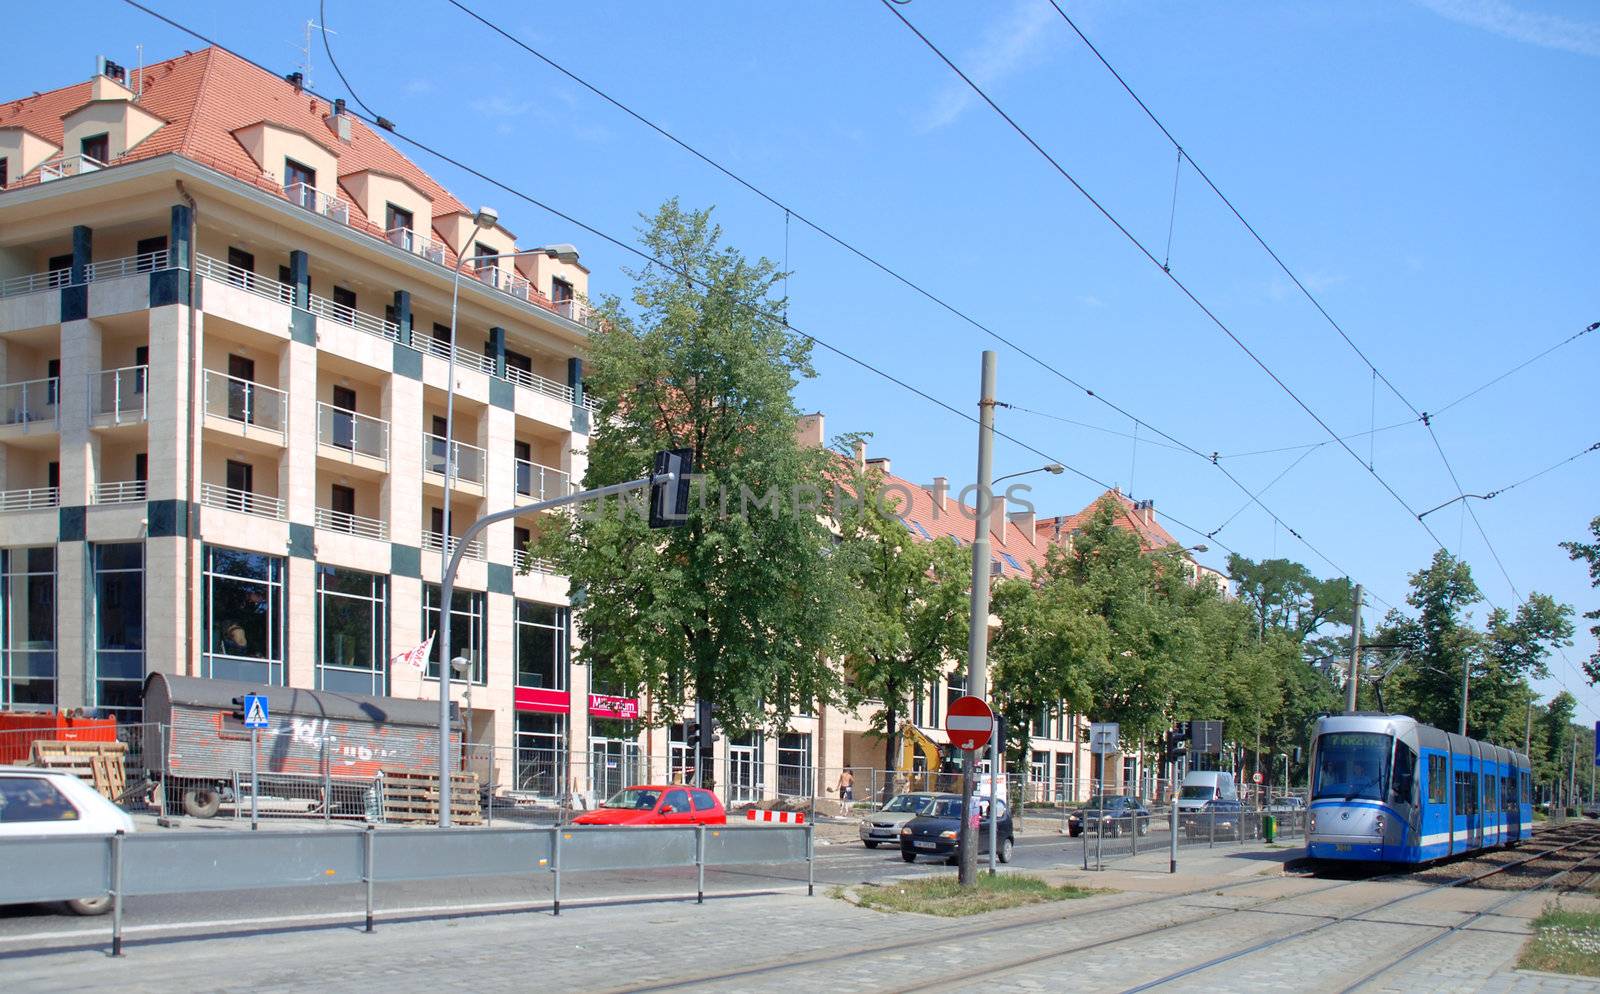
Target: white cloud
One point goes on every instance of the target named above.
(1533, 28)
(419, 86)
(1090, 300)
(501, 106)
(1008, 45)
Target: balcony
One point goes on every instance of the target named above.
(35, 499)
(541, 482)
(35, 405)
(350, 317)
(16, 286)
(352, 524)
(417, 244)
(244, 279)
(317, 202)
(69, 165)
(469, 460)
(256, 408)
(121, 492)
(436, 542)
(353, 433)
(472, 360)
(132, 265)
(226, 499)
(526, 563)
(574, 310)
(119, 396)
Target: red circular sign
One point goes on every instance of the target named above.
(969, 723)
(1257, 777)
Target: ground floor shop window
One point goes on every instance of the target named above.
(466, 631)
(541, 753)
(1064, 785)
(746, 780)
(352, 631)
(119, 629)
(795, 776)
(541, 645)
(28, 628)
(243, 616)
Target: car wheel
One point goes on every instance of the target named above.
(954, 860)
(1004, 855)
(1144, 829)
(872, 845)
(89, 906)
(1074, 832)
(202, 802)
(909, 857)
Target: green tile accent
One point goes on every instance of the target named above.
(167, 518)
(407, 362)
(499, 578)
(405, 560)
(502, 393)
(73, 524)
(302, 326)
(302, 541)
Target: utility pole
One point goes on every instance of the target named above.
(1466, 679)
(1572, 770)
(978, 630)
(1527, 735)
(1355, 655)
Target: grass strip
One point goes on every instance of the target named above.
(1564, 942)
(944, 897)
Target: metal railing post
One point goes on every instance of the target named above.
(1135, 835)
(555, 867)
(327, 782)
(1083, 833)
(700, 864)
(116, 893)
(366, 862)
(1213, 843)
(811, 861)
(1173, 831)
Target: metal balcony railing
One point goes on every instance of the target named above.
(469, 459)
(16, 286)
(352, 432)
(32, 402)
(69, 165)
(317, 202)
(441, 348)
(34, 499)
(360, 320)
(120, 395)
(245, 401)
(226, 498)
(121, 492)
(352, 524)
(417, 244)
(526, 563)
(244, 279)
(436, 542)
(132, 265)
(541, 482)
(542, 384)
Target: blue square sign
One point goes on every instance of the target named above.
(255, 710)
(1597, 743)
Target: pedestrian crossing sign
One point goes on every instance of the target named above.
(255, 711)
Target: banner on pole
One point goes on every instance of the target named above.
(416, 658)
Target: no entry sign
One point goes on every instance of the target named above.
(969, 723)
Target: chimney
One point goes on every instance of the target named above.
(941, 489)
(808, 431)
(882, 462)
(1025, 523)
(296, 80)
(1149, 512)
(861, 456)
(339, 121)
(997, 518)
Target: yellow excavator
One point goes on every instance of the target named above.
(919, 758)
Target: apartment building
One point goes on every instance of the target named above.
(225, 320)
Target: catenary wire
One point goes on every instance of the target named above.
(872, 261)
(1517, 368)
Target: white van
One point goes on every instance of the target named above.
(1200, 786)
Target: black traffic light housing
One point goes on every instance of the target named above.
(669, 502)
(238, 708)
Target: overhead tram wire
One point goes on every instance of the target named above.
(1517, 368)
(776, 318)
(863, 255)
(1491, 495)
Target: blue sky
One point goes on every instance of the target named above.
(1429, 169)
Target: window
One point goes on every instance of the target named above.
(484, 255)
(344, 297)
(703, 800)
(28, 799)
(1039, 771)
(303, 176)
(4, 173)
(1352, 764)
(1527, 794)
(52, 475)
(241, 379)
(956, 684)
(238, 258)
(1466, 793)
(466, 630)
(342, 500)
(97, 147)
(794, 764)
(676, 802)
(1064, 786)
(141, 467)
(241, 478)
(1438, 780)
(141, 357)
(52, 370)
(352, 629)
(541, 741)
(1405, 773)
(28, 627)
(397, 217)
(441, 333)
(119, 629)
(342, 417)
(516, 360)
(560, 290)
(146, 249)
(60, 267)
(243, 616)
(541, 645)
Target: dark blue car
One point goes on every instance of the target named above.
(936, 832)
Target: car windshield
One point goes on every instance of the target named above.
(945, 807)
(915, 803)
(1198, 792)
(1352, 764)
(634, 800)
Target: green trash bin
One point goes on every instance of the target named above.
(1269, 828)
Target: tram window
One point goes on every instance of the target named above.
(1438, 780)
(1525, 793)
(1466, 792)
(1508, 791)
(1405, 772)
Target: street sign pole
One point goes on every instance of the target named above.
(251, 709)
(994, 773)
(978, 621)
(255, 773)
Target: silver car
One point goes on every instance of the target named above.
(883, 825)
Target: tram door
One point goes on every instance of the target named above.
(1513, 810)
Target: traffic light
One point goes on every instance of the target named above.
(669, 502)
(238, 708)
(1180, 731)
(691, 737)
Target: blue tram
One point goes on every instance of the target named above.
(1385, 788)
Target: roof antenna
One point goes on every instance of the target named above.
(138, 90)
(305, 51)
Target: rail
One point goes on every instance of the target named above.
(526, 562)
(244, 501)
(31, 499)
(28, 402)
(541, 482)
(469, 459)
(132, 265)
(352, 318)
(120, 492)
(69, 165)
(122, 395)
(245, 401)
(54, 279)
(417, 244)
(472, 360)
(314, 200)
(342, 429)
(244, 279)
(352, 524)
(434, 541)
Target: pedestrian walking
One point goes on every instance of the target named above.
(847, 786)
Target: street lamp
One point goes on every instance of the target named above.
(459, 666)
(1054, 469)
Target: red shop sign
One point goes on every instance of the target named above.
(606, 706)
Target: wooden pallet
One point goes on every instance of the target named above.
(410, 796)
(99, 763)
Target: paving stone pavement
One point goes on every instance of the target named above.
(786, 942)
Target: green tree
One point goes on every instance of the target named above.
(1284, 595)
(907, 617)
(1589, 552)
(1436, 644)
(739, 605)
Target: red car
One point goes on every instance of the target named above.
(658, 805)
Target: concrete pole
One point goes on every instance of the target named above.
(1466, 680)
(1572, 770)
(978, 630)
(1351, 683)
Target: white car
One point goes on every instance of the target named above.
(51, 802)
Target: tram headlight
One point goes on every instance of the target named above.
(1377, 825)
(1311, 822)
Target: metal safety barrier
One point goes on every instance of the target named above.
(63, 868)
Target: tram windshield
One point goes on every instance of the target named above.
(1352, 765)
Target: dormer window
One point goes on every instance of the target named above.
(397, 218)
(295, 174)
(97, 147)
(3, 174)
(560, 290)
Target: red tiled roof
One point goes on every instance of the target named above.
(1130, 517)
(956, 520)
